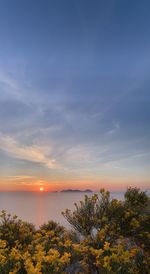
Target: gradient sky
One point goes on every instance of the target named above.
(74, 94)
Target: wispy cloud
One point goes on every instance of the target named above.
(29, 153)
(114, 129)
(10, 84)
(19, 177)
(24, 180)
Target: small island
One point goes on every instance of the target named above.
(76, 190)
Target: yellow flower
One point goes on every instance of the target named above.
(3, 244)
(96, 252)
(125, 257)
(67, 243)
(114, 257)
(133, 252)
(106, 246)
(134, 223)
(15, 254)
(66, 258)
(107, 263)
(2, 259)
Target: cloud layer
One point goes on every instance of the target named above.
(74, 93)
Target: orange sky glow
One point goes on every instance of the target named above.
(82, 185)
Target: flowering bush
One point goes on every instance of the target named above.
(109, 236)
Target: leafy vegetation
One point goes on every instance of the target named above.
(109, 236)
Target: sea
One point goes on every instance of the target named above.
(40, 207)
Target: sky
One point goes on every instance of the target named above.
(74, 94)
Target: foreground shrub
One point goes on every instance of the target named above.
(115, 234)
(109, 236)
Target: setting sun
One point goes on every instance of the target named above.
(41, 189)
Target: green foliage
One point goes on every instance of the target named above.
(109, 237)
(13, 230)
(122, 224)
(136, 198)
(89, 214)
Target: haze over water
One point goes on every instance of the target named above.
(38, 208)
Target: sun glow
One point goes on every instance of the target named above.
(41, 189)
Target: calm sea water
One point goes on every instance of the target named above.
(38, 208)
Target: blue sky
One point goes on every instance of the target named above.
(74, 94)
